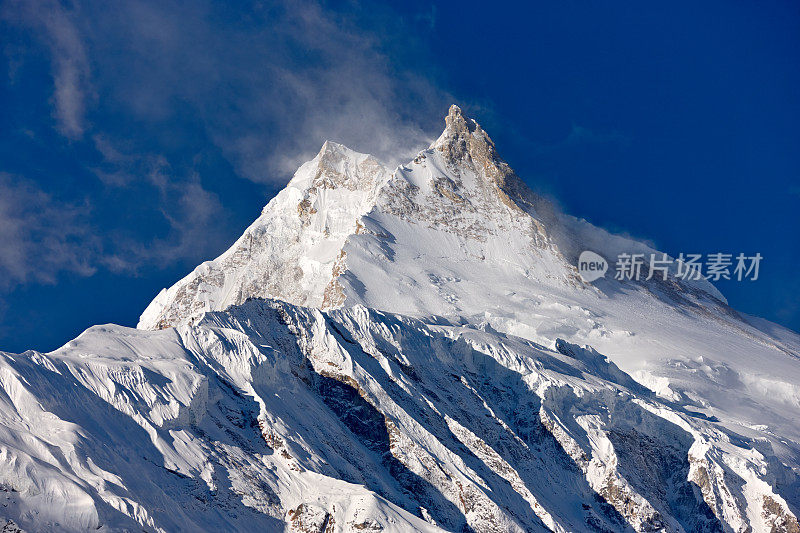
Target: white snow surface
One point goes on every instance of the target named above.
(410, 350)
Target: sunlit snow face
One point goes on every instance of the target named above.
(591, 266)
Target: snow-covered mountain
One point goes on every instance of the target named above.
(410, 350)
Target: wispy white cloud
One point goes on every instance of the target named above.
(189, 212)
(271, 89)
(269, 85)
(264, 86)
(70, 64)
(41, 235)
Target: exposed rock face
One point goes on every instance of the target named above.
(410, 351)
(465, 144)
(308, 518)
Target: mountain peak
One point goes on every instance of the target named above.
(337, 166)
(454, 110)
(464, 143)
(331, 147)
(455, 117)
(293, 251)
(455, 138)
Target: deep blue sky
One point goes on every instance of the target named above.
(139, 139)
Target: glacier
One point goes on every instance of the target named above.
(410, 349)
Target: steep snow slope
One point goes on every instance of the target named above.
(292, 251)
(410, 351)
(124, 430)
(350, 420)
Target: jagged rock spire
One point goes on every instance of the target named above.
(464, 142)
(454, 142)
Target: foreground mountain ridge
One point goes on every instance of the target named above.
(410, 350)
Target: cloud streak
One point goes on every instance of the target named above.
(70, 65)
(268, 90)
(142, 85)
(41, 236)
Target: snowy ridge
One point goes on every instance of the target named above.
(270, 416)
(292, 251)
(410, 351)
